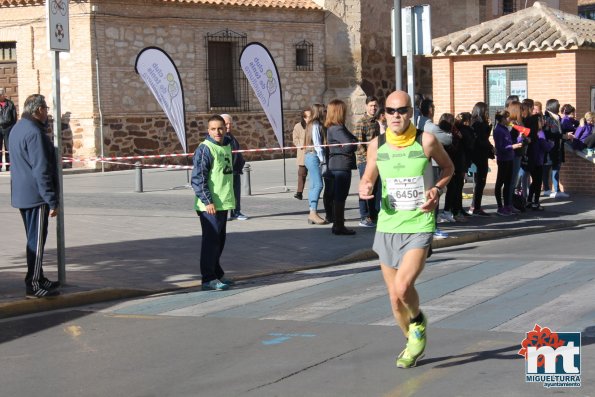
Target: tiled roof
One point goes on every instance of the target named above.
(292, 4)
(536, 28)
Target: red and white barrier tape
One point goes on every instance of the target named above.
(155, 156)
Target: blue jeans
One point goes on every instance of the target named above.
(554, 170)
(516, 167)
(237, 191)
(369, 208)
(556, 177)
(312, 163)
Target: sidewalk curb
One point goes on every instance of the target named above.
(29, 306)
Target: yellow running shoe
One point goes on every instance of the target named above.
(416, 345)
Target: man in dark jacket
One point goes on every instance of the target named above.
(8, 118)
(34, 189)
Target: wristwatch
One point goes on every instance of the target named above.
(440, 189)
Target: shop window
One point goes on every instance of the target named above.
(502, 82)
(227, 85)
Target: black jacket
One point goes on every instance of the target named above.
(341, 158)
(8, 115)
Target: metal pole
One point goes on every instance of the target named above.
(58, 151)
(138, 177)
(94, 10)
(398, 47)
(411, 51)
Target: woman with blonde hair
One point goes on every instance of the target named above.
(341, 161)
(313, 159)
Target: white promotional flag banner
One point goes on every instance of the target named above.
(261, 71)
(160, 74)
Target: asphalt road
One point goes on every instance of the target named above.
(324, 332)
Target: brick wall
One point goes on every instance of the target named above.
(577, 174)
(565, 75)
(123, 28)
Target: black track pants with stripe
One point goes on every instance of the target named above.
(36, 227)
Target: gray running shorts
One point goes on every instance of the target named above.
(391, 247)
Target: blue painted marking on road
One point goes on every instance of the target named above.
(280, 338)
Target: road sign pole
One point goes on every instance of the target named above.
(61, 246)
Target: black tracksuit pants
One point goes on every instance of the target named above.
(36, 228)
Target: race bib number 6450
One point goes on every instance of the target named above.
(406, 194)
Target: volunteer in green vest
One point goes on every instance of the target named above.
(406, 221)
(212, 181)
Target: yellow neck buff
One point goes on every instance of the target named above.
(405, 139)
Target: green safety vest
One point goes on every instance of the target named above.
(408, 162)
(220, 179)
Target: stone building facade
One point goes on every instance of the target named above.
(103, 96)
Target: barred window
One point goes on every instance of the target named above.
(8, 51)
(227, 85)
(304, 56)
(508, 6)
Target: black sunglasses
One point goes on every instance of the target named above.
(402, 110)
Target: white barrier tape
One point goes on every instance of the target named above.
(155, 156)
(176, 167)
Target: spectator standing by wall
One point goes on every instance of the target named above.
(314, 159)
(299, 131)
(426, 124)
(365, 130)
(212, 181)
(538, 148)
(341, 161)
(553, 131)
(8, 118)
(238, 169)
(504, 157)
(480, 124)
(34, 189)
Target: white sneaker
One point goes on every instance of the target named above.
(241, 217)
(555, 195)
(546, 193)
(447, 216)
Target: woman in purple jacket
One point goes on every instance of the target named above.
(584, 130)
(504, 158)
(541, 146)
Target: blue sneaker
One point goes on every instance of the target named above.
(439, 234)
(214, 285)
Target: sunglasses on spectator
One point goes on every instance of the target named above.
(402, 110)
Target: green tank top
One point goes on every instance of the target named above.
(406, 174)
(220, 179)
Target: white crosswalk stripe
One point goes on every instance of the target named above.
(327, 295)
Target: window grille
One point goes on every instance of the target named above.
(508, 7)
(227, 85)
(8, 51)
(304, 56)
